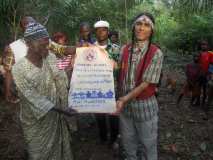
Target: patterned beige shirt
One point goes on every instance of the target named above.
(40, 89)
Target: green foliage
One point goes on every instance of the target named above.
(179, 24)
(64, 15)
(10, 13)
(189, 7)
(187, 35)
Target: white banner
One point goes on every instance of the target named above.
(92, 83)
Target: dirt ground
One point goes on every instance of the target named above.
(183, 133)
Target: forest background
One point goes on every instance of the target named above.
(180, 24)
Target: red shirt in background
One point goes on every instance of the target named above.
(204, 61)
(211, 57)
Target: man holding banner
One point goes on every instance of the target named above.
(141, 65)
(42, 90)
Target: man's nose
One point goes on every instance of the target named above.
(143, 26)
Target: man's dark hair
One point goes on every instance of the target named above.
(84, 24)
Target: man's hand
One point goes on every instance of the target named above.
(120, 104)
(67, 111)
(71, 110)
(11, 98)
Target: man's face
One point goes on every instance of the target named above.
(204, 46)
(84, 32)
(101, 33)
(143, 30)
(62, 41)
(40, 47)
(114, 39)
(196, 58)
(23, 25)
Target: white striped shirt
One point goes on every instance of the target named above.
(63, 63)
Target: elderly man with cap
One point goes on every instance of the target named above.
(141, 65)
(43, 91)
(18, 49)
(102, 32)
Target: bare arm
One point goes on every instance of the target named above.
(60, 50)
(130, 96)
(150, 76)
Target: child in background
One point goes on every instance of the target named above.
(64, 63)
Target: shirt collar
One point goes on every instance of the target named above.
(107, 46)
(137, 49)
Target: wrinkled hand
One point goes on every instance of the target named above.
(66, 111)
(70, 110)
(11, 98)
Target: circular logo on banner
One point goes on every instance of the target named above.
(90, 54)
